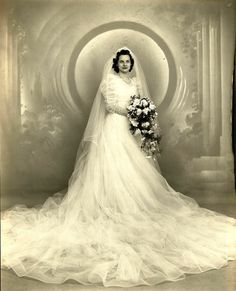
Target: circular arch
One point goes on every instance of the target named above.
(123, 25)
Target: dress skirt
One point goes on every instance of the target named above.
(119, 224)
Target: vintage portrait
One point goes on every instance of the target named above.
(117, 160)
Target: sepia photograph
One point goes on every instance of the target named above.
(118, 145)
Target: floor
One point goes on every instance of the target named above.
(217, 280)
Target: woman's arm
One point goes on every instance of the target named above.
(110, 98)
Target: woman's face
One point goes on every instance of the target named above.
(124, 64)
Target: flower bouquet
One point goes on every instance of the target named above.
(142, 115)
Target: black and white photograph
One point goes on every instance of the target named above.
(118, 145)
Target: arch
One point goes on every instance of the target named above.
(124, 25)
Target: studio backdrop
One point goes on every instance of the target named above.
(53, 54)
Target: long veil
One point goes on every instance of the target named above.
(89, 145)
(94, 127)
(120, 223)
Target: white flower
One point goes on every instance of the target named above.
(136, 102)
(139, 111)
(134, 122)
(131, 107)
(145, 124)
(152, 107)
(144, 102)
(146, 110)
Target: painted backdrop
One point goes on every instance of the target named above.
(53, 55)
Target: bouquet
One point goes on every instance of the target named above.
(142, 115)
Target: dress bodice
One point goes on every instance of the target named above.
(117, 92)
(124, 90)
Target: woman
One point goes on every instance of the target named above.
(120, 223)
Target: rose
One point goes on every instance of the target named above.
(155, 126)
(145, 124)
(144, 102)
(139, 111)
(146, 110)
(131, 107)
(134, 122)
(152, 106)
(136, 102)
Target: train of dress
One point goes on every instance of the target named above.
(119, 224)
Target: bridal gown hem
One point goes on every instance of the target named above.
(120, 223)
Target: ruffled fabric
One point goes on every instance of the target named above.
(119, 224)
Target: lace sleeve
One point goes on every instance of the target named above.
(110, 97)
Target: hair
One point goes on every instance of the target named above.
(116, 59)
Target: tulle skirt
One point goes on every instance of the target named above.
(119, 224)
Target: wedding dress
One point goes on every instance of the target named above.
(120, 223)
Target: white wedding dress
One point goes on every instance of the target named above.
(120, 224)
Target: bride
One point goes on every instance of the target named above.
(120, 223)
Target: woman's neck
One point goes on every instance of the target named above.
(124, 75)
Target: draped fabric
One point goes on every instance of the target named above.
(120, 222)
